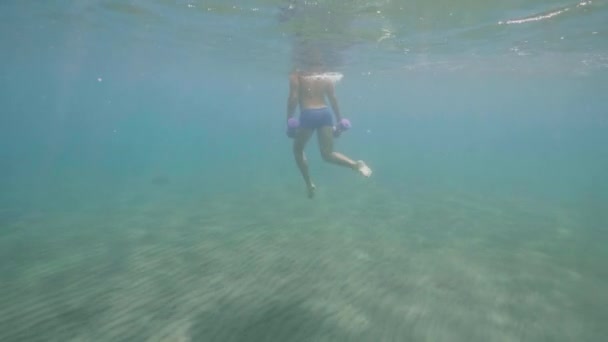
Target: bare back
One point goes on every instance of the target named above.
(312, 91)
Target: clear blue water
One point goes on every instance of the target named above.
(129, 124)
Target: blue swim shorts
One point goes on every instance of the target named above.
(314, 118)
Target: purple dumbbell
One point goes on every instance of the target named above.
(292, 126)
(343, 125)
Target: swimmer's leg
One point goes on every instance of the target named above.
(300, 140)
(326, 144)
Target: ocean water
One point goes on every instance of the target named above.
(148, 191)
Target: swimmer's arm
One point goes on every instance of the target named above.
(331, 95)
(292, 101)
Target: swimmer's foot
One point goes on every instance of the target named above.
(363, 168)
(311, 190)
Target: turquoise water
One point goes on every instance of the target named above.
(148, 191)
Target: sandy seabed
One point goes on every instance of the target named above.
(267, 264)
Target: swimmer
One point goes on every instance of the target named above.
(310, 91)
